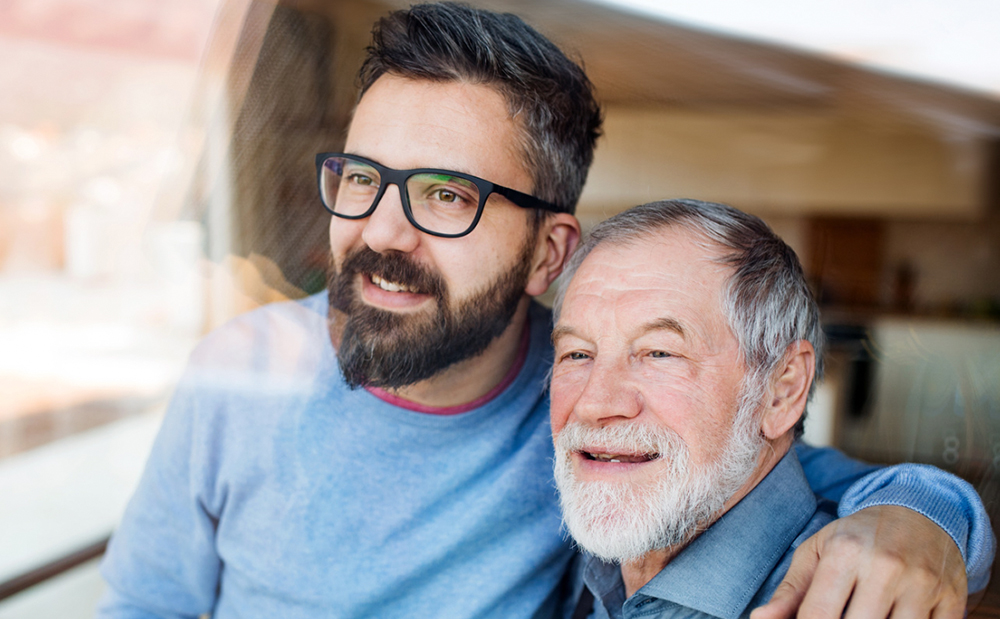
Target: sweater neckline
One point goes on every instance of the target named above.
(457, 409)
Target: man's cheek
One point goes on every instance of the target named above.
(345, 235)
(565, 392)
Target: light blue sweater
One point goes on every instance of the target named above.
(275, 491)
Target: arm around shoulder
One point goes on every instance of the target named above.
(948, 501)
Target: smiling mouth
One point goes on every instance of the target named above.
(391, 286)
(619, 458)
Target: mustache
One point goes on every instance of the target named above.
(621, 438)
(394, 267)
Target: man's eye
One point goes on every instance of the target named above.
(443, 195)
(360, 179)
(576, 355)
(660, 354)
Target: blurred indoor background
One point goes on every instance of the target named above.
(157, 178)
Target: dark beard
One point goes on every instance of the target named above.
(379, 348)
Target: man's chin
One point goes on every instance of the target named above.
(623, 520)
(620, 519)
(612, 522)
(380, 347)
(384, 349)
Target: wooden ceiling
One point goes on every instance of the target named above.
(638, 61)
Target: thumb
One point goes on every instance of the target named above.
(788, 596)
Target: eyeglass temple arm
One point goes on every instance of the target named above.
(525, 200)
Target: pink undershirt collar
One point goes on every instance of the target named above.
(395, 400)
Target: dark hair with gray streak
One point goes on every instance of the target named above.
(767, 302)
(545, 90)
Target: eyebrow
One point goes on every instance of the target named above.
(660, 324)
(562, 331)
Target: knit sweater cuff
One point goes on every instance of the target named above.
(946, 500)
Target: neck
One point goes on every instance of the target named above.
(635, 574)
(472, 378)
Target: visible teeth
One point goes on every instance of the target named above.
(390, 286)
(606, 457)
(619, 458)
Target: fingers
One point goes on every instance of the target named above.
(833, 583)
(950, 609)
(891, 562)
(913, 607)
(788, 596)
(893, 589)
(783, 604)
(876, 591)
(923, 593)
(882, 562)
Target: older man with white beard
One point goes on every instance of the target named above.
(686, 346)
(383, 449)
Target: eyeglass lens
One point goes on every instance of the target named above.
(438, 202)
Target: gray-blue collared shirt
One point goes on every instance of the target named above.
(732, 567)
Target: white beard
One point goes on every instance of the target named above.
(624, 521)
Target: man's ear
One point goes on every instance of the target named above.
(789, 390)
(558, 236)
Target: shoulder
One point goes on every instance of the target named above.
(274, 343)
(822, 513)
(245, 381)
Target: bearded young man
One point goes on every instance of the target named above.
(385, 450)
(686, 346)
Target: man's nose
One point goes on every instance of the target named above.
(387, 228)
(610, 395)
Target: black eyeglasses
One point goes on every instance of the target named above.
(438, 202)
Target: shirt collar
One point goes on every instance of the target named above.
(720, 571)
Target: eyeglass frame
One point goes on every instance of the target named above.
(391, 176)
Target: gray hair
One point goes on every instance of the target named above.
(767, 303)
